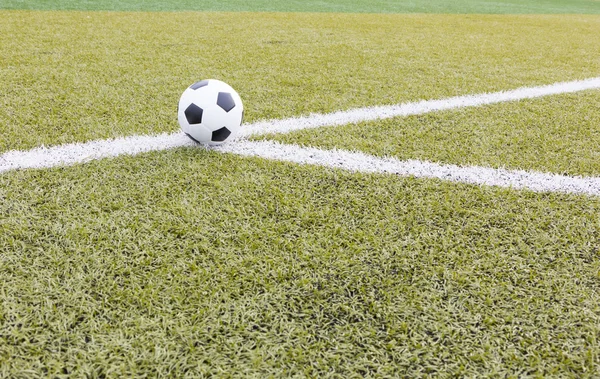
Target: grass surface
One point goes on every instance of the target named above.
(355, 6)
(77, 76)
(559, 134)
(187, 262)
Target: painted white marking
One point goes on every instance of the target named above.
(360, 162)
(415, 108)
(45, 157)
(69, 154)
(353, 161)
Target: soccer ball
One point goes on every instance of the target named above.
(210, 112)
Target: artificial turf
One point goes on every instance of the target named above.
(346, 6)
(79, 76)
(186, 263)
(191, 263)
(558, 134)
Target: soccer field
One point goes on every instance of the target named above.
(416, 192)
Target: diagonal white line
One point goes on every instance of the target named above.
(360, 162)
(44, 157)
(415, 108)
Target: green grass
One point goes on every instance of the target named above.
(355, 6)
(78, 76)
(559, 134)
(189, 262)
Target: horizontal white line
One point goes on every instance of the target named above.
(353, 161)
(360, 162)
(415, 108)
(45, 157)
(73, 153)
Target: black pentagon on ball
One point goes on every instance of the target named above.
(225, 101)
(200, 84)
(193, 114)
(220, 135)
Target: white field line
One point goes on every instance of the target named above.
(415, 108)
(69, 154)
(353, 161)
(360, 162)
(73, 153)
